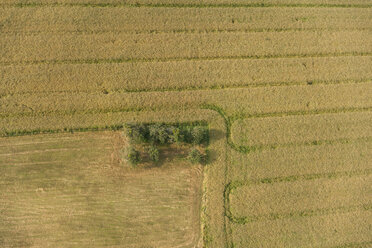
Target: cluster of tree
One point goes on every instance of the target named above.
(160, 134)
(166, 134)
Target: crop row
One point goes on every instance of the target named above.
(56, 123)
(58, 48)
(299, 129)
(95, 76)
(251, 102)
(284, 198)
(97, 20)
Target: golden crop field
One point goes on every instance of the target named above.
(284, 87)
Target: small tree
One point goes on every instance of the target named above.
(158, 133)
(153, 152)
(133, 156)
(199, 134)
(175, 135)
(195, 156)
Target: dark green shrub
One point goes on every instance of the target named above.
(158, 133)
(186, 134)
(195, 156)
(199, 134)
(138, 133)
(133, 156)
(153, 152)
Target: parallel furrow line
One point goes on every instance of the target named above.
(190, 88)
(170, 59)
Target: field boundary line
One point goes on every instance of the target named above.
(184, 5)
(212, 87)
(178, 59)
(230, 187)
(183, 31)
(257, 148)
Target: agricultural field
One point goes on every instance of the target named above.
(284, 88)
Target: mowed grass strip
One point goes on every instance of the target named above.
(333, 230)
(155, 20)
(297, 198)
(95, 201)
(179, 75)
(284, 162)
(252, 102)
(301, 129)
(53, 48)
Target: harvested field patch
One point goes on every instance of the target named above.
(84, 198)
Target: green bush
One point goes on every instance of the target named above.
(153, 152)
(133, 156)
(158, 133)
(199, 135)
(195, 156)
(137, 132)
(186, 134)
